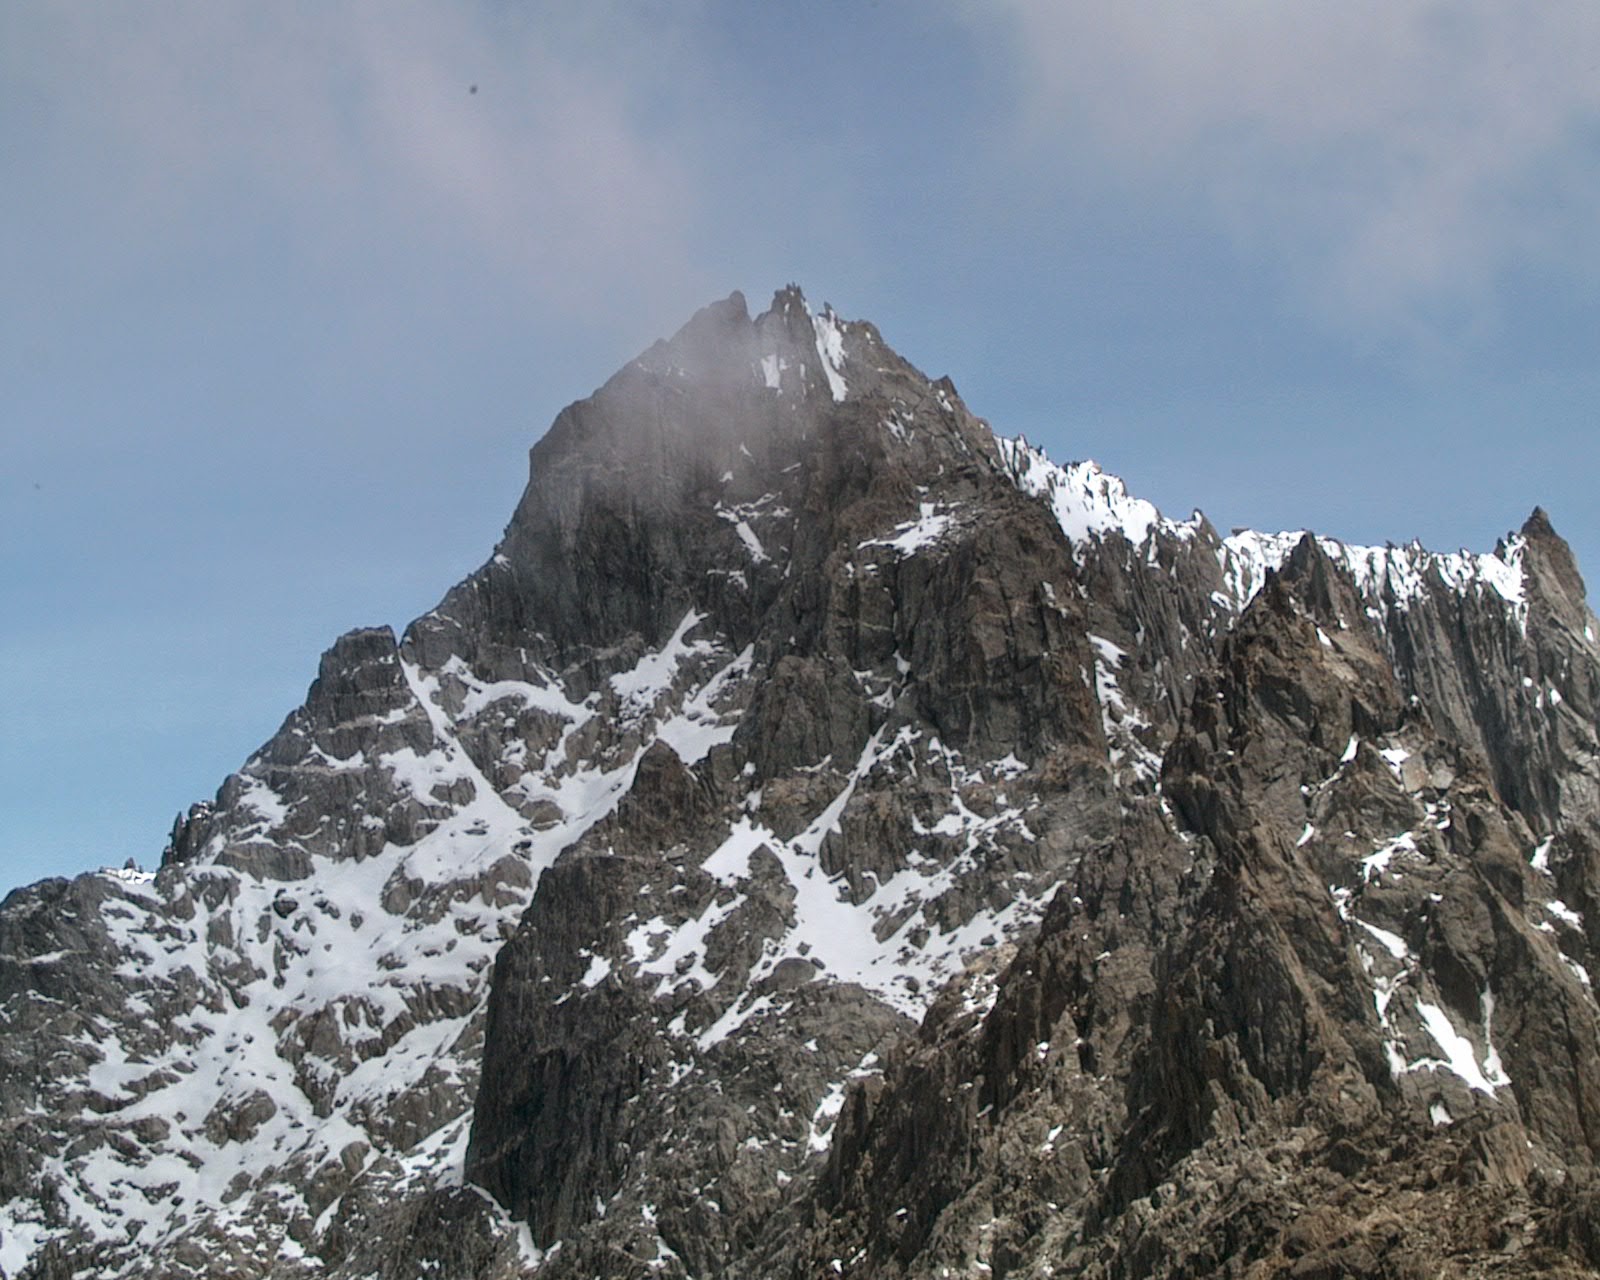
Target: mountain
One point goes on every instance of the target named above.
(826, 838)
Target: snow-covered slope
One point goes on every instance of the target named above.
(1087, 502)
(283, 1023)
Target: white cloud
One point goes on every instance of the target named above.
(167, 124)
(1395, 156)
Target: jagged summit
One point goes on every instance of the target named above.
(827, 838)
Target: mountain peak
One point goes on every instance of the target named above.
(825, 838)
(1555, 568)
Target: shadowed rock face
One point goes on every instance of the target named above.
(825, 838)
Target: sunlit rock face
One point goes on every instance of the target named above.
(828, 838)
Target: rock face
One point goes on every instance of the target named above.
(826, 838)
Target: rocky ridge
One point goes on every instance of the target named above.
(827, 838)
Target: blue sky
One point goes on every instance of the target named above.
(286, 302)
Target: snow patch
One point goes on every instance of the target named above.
(829, 332)
(1088, 503)
(1375, 865)
(914, 535)
(655, 673)
(1459, 1056)
(1540, 859)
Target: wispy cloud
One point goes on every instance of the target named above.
(1396, 158)
(343, 126)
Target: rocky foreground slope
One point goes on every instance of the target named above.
(828, 839)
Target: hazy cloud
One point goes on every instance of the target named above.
(154, 125)
(1395, 157)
